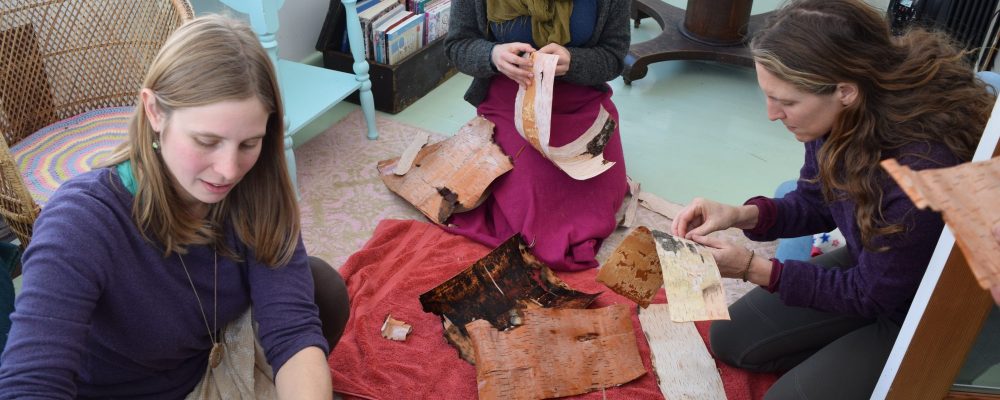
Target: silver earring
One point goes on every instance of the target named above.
(156, 146)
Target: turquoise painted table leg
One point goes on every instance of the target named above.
(290, 160)
(354, 36)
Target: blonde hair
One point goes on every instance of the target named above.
(916, 88)
(207, 60)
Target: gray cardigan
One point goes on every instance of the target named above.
(602, 59)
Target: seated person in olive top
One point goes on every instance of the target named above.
(854, 94)
(564, 220)
(136, 269)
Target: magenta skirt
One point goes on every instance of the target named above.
(563, 220)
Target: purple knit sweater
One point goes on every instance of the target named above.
(881, 283)
(103, 314)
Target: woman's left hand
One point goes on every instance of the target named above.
(563, 65)
(731, 259)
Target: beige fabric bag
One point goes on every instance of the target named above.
(244, 372)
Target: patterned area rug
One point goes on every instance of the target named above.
(342, 198)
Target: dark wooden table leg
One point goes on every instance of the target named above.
(701, 37)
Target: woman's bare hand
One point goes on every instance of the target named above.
(514, 61)
(564, 57)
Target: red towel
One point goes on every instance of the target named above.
(406, 258)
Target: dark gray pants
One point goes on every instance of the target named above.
(331, 298)
(826, 355)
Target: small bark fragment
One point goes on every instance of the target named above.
(626, 214)
(394, 329)
(556, 353)
(494, 288)
(684, 368)
(692, 279)
(410, 154)
(633, 269)
(449, 176)
(659, 205)
(966, 195)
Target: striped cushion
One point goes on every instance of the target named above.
(67, 148)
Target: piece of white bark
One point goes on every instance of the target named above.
(684, 368)
(394, 329)
(691, 278)
(410, 154)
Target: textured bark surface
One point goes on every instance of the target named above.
(684, 368)
(633, 269)
(691, 278)
(494, 288)
(449, 176)
(556, 353)
(966, 195)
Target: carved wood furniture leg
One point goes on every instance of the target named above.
(360, 67)
(711, 30)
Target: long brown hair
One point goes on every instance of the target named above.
(207, 60)
(915, 88)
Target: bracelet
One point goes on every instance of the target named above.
(746, 271)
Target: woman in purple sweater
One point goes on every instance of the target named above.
(180, 265)
(835, 76)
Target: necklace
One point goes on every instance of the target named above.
(215, 356)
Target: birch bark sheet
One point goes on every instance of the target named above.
(966, 195)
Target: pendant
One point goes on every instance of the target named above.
(215, 357)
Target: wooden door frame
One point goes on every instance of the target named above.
(945, 318)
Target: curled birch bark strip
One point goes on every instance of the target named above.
(581, 159)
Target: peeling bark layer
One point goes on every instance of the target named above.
(448, 176)
(633, 269)
(556, 353)
(966, 195)
(494, 288)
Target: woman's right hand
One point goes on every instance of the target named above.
(704, 216)
(514, 61)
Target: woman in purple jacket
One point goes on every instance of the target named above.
(834, 75)
(156, 275)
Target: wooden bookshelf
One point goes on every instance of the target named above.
(397, 86)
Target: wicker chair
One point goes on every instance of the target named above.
(61, 58)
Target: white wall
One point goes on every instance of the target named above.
(880, 4)
(300, 21)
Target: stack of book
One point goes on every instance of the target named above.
(437, 13)
(392, 29)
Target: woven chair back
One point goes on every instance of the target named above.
(60, 58)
